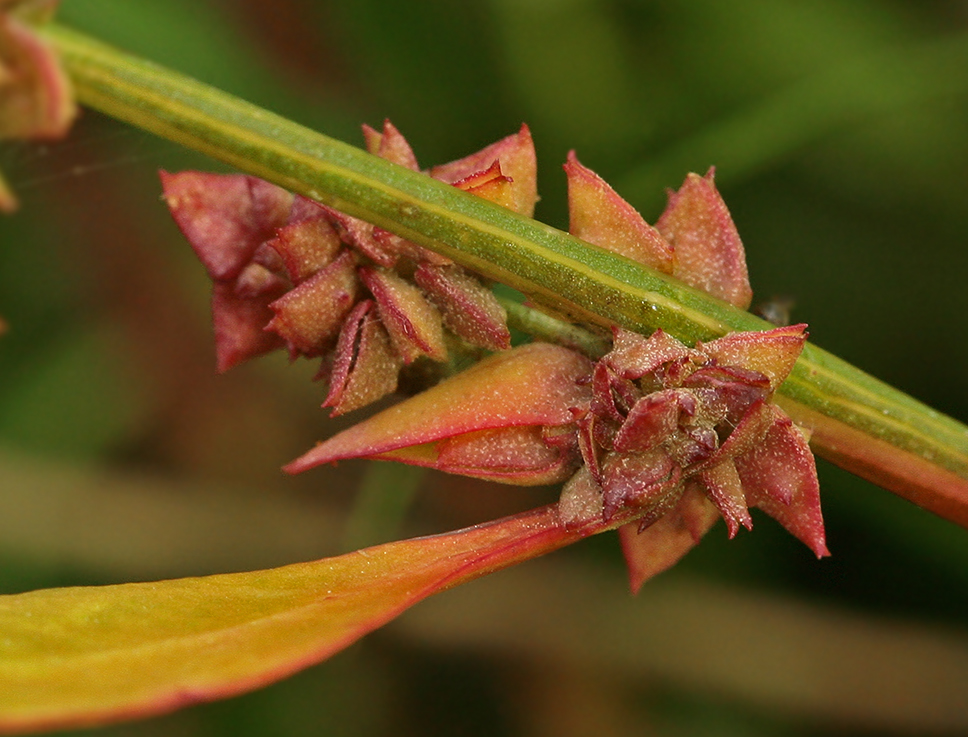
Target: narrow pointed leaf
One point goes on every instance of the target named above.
(84, 656)
(530, 385)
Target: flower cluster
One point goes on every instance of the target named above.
(670, 436)
(678, 436)
(689, 435)
(289, 272)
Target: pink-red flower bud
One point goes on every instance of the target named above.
(290, 272)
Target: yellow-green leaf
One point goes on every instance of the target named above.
(81, 656)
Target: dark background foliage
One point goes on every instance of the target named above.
(840, 133)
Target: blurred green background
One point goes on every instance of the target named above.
(839, 129)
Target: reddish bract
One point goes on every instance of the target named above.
(701, 441)
(289, 272)
(709, 253)
(694, 239)
(599, 216)
(683, 435)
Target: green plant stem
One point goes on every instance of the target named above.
(856, 420)
(551, 330)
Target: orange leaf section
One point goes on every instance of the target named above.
(599, 216)
(532, 385)
(83, 656)
(517, 160)
(491, 184)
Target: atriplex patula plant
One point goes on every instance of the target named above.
(666, 433)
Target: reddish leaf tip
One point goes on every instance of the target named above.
(598, 214)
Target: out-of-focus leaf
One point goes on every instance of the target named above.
(565, 62)
(207, 44)
(385, 494)
(36, 100)
(427, 63)
(859, 91)
(80, 656)
(81, 397)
